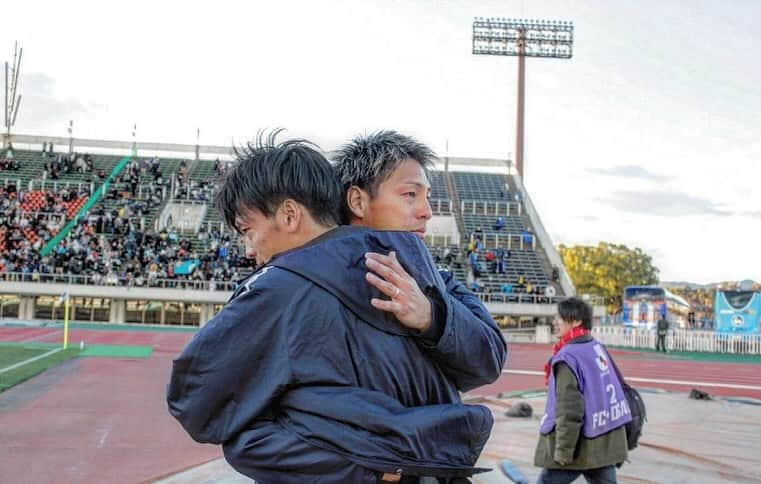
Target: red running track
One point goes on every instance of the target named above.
(638, 365)
(105, 420)
(95, 420)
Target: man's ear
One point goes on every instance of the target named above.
(358, 201)
(289, 214)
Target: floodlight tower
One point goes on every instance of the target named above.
(12, 98)
(522, 38)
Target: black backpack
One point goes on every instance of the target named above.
(636, 407)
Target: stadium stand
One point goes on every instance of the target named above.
(135, 234)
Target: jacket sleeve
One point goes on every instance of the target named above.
(463, 338)
(232, 369)
(569, 413)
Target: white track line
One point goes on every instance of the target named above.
(42, 336)
(655, 380)
(35, 358)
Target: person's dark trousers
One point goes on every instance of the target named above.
(660, 345)
(601, 475)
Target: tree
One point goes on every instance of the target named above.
(606, 269)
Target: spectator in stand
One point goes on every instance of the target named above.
(521, 282)
(499, 224)
(527, 237)
(490, 257)
(499, 262)
(473, 263)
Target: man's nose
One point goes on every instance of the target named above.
(424, 210)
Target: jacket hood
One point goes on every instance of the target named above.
(336, 262)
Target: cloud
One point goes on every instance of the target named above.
(629, 171)
(41, 109)
(663, 204)
(587, 218)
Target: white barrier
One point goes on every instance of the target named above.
(680, 340)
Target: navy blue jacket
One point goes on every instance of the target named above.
(302, 380)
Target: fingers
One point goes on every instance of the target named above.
(386, 267)
(383, 305)
(385, 287)
(390, 261)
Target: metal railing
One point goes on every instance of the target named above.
(681, 340)
(493, 240)
(490, 207)
(9, 181)
(54, 185)
(518, 298)
(191, 284)
(440, 206)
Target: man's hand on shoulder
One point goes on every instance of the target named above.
(408, 303)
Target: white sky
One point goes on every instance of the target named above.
(647, 137)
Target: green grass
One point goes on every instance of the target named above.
(12, 354)
(696, 355)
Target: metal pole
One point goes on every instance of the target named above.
(198, 143)
(6, 110)
(5, 106)
(521, 102)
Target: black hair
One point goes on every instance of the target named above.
(267, 173)
(575, 309)
(368, 160)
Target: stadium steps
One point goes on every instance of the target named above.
(540, 249)
(456, 205)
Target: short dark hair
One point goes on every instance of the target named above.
(267, 173)
(575, 309)
(368, 160)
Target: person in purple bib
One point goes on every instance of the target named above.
(582, 430)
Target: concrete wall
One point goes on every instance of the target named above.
(207, 299)
(441, 225)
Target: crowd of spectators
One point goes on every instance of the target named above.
(9, 164)
(28, 221)
(110, 244)
(197, 190)
(123, 254)
(115, 244)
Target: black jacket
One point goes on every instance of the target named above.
(302, 380)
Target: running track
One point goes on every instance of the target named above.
(105, 419)
(643, 369)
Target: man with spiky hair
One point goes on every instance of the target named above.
(384, 176)
(300, 377)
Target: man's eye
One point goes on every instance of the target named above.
(410, 194)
